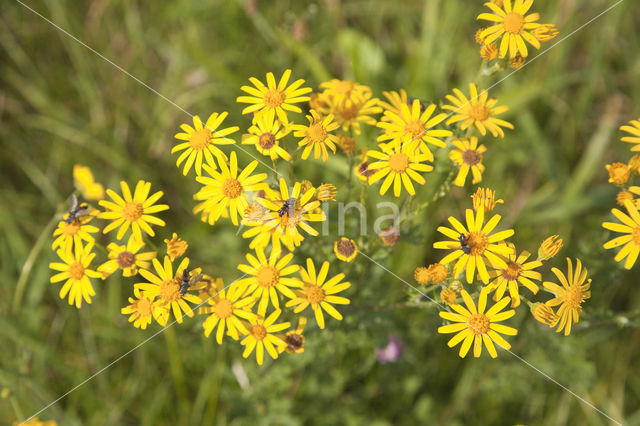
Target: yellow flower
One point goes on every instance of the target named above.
(295, 339)
(297, 215)
(479, 246)
(396, 101)
(570, 296)
(347, 144)
(72, 234)
(478, 110)
(400, 165)
(516, 272)
(75, 270)
(477, 37)
(226, 192)
(226, 308)
(438, 272)
(265, 135)
(36, 422)
(485, 198)
(345, 249)
(176, 247)
(363, 172)
(448, 296)
(468, 156)
(264, 233)
(316, 136)
(261, 336)
(619, 173)
(337, 92)
(133, 211)
(208, 288)
(489, 52)
(414, 127)
(634, 163)
(474, 325)
(201, 142)
(630, 227)
(272, 99)
(166, 287)
(268, 278)
(512, 24)
(319, 292)
(545, 32)
(549, 247)
(421, 275)
(544, 314)
(126, 258)
(326, 192)
(350, 113)
(140, 310)
(517, 62)
(633, 128)
(83, 180)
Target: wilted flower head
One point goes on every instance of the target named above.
(619, 173)
(390, 236)
(176, 247)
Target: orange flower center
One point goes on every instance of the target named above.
(132, 211)
(76, 271)
(170, 290)
(512, 272)
(290, 221)
(398, 162)
(315, 294)
(144, 307)
(316, 133)
(200, 139)
(71, 229)
(267, 140)
(471, 157)
(258, 331)
(573, 296)
(478, 323)
(477, 243)
(479, 112)
(224, 308)
(126, 259)
(415, 128)
(349, 111)
(513, 23)
(267, 276)
(231, 188)
(635, 235)
(274, 98)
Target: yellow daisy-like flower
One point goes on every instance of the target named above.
(345, 249)
(75, 270)
(474, 245)
(166, 287)
(83, 180)
(414, 127)
(570, 296)
(274, 99)
(475, 326)
(400, 165)
(316, 136)
(74, 233)
(544, 314)
(396, 101)
(264, 232)
(630, 241)
(350, 113)
(485, 198)
(319, 292)
(134, 212)
(549, 247)
(227, 191)
(468, 156)
(140, 310)
(326, 192)
(226, 308)
(265, 135)
(268, 278)
(295, 339)
(126, 258)
(619, 173)
(261, 336)
(293, 216)
(337, 92)
(176, 247)
(201, 142)
(516, 272)
(478, 111)
(448, 296)
(36, 422)
(512, 23)
(489, 52)
(633, 128)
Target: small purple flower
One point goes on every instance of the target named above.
(391, 352)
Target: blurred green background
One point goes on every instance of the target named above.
(61, 104)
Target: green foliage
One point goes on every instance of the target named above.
(61, 104)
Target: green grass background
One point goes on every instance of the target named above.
(60, 104)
